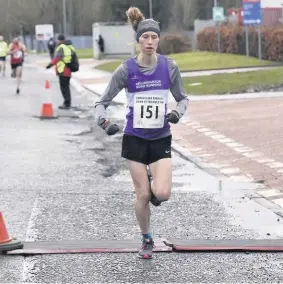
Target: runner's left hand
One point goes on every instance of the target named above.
(173, 117)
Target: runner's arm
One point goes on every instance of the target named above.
(117, 83)
(10, 49)
(24, 49)
(177, 88)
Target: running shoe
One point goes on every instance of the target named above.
(146, 249)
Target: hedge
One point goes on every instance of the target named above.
(233, 40)
(171, 42)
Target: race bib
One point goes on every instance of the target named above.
(18, 54)
(149, 111)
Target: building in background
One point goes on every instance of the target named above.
(271, 3)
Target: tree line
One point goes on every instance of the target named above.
(20, 16)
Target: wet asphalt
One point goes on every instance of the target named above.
(64, 179)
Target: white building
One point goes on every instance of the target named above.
(271, 3)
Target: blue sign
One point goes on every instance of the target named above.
(251, 12)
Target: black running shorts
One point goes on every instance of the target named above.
(2, 58)
(16, 65)
(146, 151)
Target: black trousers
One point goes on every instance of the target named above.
(65, 89)
(51, 53)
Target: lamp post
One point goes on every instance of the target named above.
(64, 17)
(218, 31)
(150, 8)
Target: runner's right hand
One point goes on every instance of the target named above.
(110, 128)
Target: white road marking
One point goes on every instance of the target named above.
(29, 263)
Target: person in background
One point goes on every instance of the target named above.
(17, 52)
(3, 54)
(62, 59)
(51, 45)
(101, 43)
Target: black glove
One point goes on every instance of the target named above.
(173, 117)
(49, 66)
(109, 128)
(112, 129)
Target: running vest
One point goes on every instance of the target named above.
(3, 48)
(67, 51)
(17, 53)
(147, 97)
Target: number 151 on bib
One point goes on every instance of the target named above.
(149, 114)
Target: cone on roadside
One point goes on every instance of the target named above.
(47, 108)
(47, 84)
(47, 111)
(7, 243)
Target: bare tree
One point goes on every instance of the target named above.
(85, 13)
(18, 16)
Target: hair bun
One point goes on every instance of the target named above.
(135, 16)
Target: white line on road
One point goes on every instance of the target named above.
(29, 264)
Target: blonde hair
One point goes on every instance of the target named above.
(135, 16)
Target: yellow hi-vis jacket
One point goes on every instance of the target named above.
(64, 52)
(3, 48)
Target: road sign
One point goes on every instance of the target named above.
(218, 14)
(252, 12)
(44, 32)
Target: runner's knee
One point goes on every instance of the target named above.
(162, 194)
(143, 195)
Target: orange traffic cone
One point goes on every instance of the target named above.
(47, 111)
(7, 243)
(47, 84)
(47, 108)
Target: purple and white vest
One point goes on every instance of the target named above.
(147, 97)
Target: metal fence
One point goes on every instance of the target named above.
(79, 42)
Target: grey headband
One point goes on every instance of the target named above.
(148, 25)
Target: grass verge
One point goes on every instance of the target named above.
(85, 53)
(192, 61)
(234, 83)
